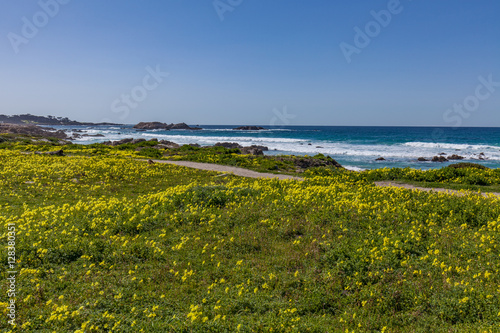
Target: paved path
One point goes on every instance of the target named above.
(427, 189)
(228, 169)
(254, 174)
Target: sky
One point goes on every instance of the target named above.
(253, 62)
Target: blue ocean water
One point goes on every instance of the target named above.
(353, 146)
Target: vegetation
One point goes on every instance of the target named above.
(108, 243)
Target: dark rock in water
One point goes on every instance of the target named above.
(183, 126)
(422, 159)
(380, 159)
(442, 154)
(98, 135)
(319, 147)
(228, 145)
(309, 144)
(455, 157)
(151, 125)
(249, 128)
(439, 159)
(158, 125)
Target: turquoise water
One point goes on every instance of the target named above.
(353, 147)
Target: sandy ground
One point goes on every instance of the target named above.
(253, 174)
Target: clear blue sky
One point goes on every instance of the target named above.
(264, 55)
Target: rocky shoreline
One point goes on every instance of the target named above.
(42, 134)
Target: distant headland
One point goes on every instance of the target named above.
(29, 119)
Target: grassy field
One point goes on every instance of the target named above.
(108, 243)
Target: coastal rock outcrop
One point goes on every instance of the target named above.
(228, 145)
(164, 126)
(32, 130)
(250, 150)
(455, 157)
(422, 159)
(248, 128)
(439, 159)
(123, 141)
(307, 162)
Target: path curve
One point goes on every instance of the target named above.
(254, 174)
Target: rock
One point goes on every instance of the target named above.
(263, 148)
(169, 144)
(193, 145)
(380, 159)
(98, 135)
(32, 130)
(422, 159)
(183, 126)
(123, 141)
(158, 125)
(439, 159)
(249, 128)
(308, 162)
(151, 125)
(228, 145)
(442, 154)
(319, 147)
(117, 143)
(251, 151)
(55, 153)
(455, 157)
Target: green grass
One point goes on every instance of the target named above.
(109, 243)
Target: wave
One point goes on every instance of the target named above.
(359, 153)
(448, 145)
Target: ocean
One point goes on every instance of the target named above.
(354, 147)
